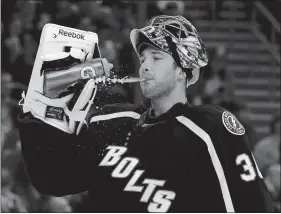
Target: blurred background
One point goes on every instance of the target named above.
(243, 42)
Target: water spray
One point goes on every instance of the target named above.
(107, 80)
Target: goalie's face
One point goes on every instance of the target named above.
(157, 67)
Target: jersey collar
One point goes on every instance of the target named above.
(176, 110)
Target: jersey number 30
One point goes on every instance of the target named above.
(250, 173)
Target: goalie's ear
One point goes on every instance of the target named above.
(195, 77)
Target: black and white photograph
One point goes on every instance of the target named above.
(129, 106)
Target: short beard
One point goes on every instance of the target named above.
(159, 90)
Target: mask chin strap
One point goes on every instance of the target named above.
(172, 46)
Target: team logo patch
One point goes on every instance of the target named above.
(232, 124)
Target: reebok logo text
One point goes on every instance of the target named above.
(72, 34)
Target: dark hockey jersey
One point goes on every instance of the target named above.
(189, 159)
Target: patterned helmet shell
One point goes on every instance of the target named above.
(189, 46)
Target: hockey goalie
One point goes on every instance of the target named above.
(171, 157)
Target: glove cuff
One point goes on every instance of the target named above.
(55, 112)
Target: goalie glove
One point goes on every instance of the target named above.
(68, 89)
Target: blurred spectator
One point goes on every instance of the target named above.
(6, 81)
(108, 19)
(44, 14)
(214, 85)
(131, 22)
(67, 14)
(29, 49)
(55, 205)
(215, 90)
(111, 42)
(86, 24)
(21, 68)
(275, 124)
(43, 19)
(6, 119)
(246, 118)
(12, 44)
(272, 180)
(102, 15)
(77, 201)
(90, 9)
(11, 202)
(215, 7)
(27, 10)
(267, 150)
(267, 154)
(7, 12)
(171, 8)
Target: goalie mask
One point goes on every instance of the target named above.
(176, 36)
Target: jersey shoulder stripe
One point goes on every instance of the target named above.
(214, 157)
(117, 110)
(115, 115)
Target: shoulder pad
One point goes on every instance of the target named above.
(228, 119)
(214, 109)
(210, 112)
